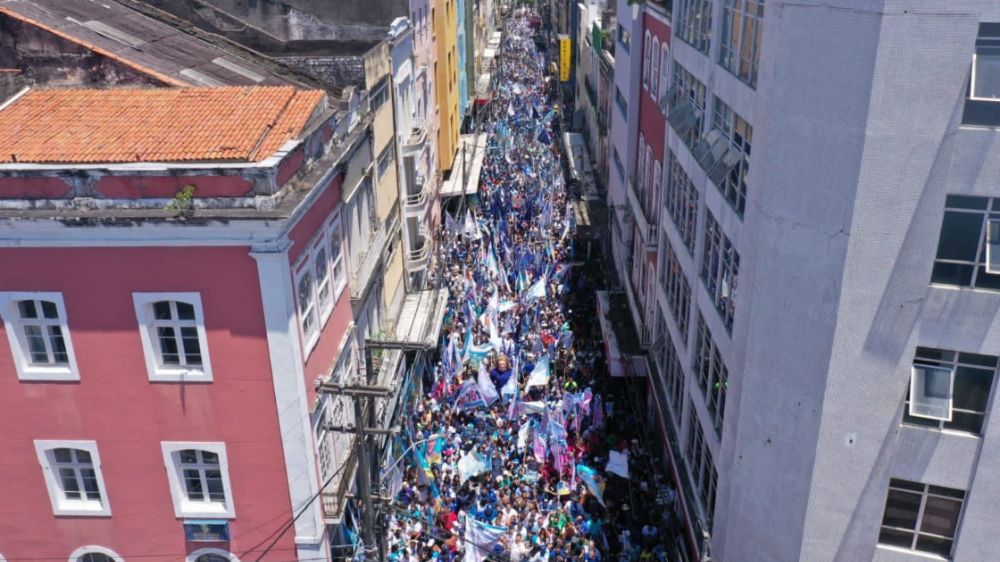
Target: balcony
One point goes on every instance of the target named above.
(412, 143)
(415, 204)
(334, 494)
(419, 258)
(361, 276)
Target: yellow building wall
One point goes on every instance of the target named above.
(387, 186)
(446, 77)
(393, 286)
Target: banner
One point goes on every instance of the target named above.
(565, 56)
(480, 538)
(540, 374)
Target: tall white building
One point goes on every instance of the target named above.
(825, 340)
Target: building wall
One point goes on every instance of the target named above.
(446, 81)
(128, 416)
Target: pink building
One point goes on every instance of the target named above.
(171, 288)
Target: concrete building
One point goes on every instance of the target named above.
(196, 289)
(445, 30)
(463, 42)
(592, 98)
(822, 335)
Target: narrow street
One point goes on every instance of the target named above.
(523, 447)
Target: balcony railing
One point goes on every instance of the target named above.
(413, 142)
(415, 204)
(418, 258)
(362, 275)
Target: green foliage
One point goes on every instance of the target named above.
(183, 200)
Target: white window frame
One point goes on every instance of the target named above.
(972, 83)
(60, 504)
(26, 371)
(94, 549)
(182, 506)
(914, 386)
(665, 80)
(654, 69)
(990, 241)
(192, 557)
(306, 263)
(339, 282)
(144, 316)
(646, 49)
(310, 336)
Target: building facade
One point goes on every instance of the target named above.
(822, 337)
(181, 352)
(445, 30)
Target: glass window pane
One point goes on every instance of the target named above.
(896, 537)
(192, 346)
(168, 346)
(948, 492)
(49, 310)
(930, 392)
(952, 274)
(972, 388)
(82, 456)
(161, 310)
(901, 509)
(965, 421)
(188, 456)
(986, 280)
(185, 311)
(936, 545)
(63, 455)
(987, 69)
(966, 202)
(940, 516)
(960, 235)
(27, 309)
(209, 457)
(59, 353)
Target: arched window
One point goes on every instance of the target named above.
(645, 60)
(654, 71)
(211, 555)
(94, 554)
(664, 71)
(639, 169)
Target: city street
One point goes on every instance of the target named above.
(524, 447)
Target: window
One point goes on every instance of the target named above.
(671, 370)
(730, 173)
(320, 279)
(380, 95)
(682, 203)
(654, 70)
(640, 164)
(619, 166)
(39, 336)
(963, 251)
(959, 405)
(94, 554)
(687, 106)
(198, 474)
(211, 555)
(664, 68)
(982, 105)
(720, 269)
(694, 23)
(742, 27)
(172, 330)
(624, 37)
(72, 472)
(921, 517)
(621, 103)
(712, 374)
(385, 160)
(646, 46)
(678, 290)
(702, 466)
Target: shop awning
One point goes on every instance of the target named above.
(620, 363)
(421, 317)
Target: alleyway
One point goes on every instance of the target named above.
(523, 447)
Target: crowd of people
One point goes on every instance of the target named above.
(521, 448)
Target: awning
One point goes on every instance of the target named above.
(421, 317)
(466, 181)
(619, 364)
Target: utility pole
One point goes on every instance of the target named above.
(364, 413)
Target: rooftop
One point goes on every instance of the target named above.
(77, 126)
(165, 49)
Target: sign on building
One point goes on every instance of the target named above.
(565, 57)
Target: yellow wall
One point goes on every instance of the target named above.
(446, 80)
(392, 296)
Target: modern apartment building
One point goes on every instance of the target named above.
(823, 333)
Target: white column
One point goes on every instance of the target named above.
(288, 375)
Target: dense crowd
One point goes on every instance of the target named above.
(522, 449)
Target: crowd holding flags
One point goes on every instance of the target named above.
(511, 425)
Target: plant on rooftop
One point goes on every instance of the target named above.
(183, 201)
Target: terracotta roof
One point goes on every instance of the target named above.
(243, 124)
